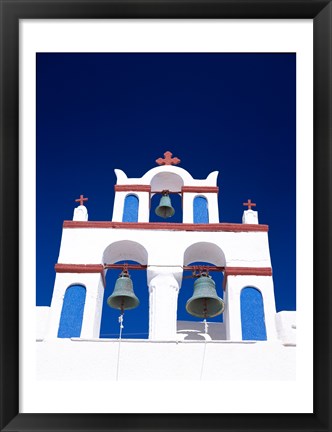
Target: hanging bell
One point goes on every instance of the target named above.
(205, 302)
(123, 296)
(165, 209)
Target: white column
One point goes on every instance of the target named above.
(164, 290)
(143, 206)
(188, 207)
(212, 199)
(93, 306)
(232, 314)
(118, 206)
(266, 286)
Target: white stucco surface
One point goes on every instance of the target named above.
(42, 321)
(166, 176)
(250, 217)
(80, 213)
(180, 359)
(65, 359)
(286, 326)
(87, 245)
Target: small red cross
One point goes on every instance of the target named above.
(249, 204)
(81, 199)
(168, 160)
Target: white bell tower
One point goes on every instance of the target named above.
(241, 251)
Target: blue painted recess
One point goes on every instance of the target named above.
(72, 312)
(252, 315)
(201, 212)
(130, 211)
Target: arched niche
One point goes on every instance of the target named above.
(125, 250)
(252, 314)
(72, 312)
(205, 252)
(200, 210)
(130, 209)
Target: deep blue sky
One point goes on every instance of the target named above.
(234, 113)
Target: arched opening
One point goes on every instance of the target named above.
(186, 292)
(72, 312)
(176, 202)
(136, 321)
(200, 210)
(190, 327)
(252, 314)
(130, 209)
(173, 183)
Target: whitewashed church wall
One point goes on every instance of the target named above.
(164, 290)
(148, 177)
(42, 320)
(286, 326)
(241, 249)
(194, 330)
(65, 359)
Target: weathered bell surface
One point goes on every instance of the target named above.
(205, 302)
(165, 209)
(123, 296)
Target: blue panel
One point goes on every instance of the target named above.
(201, 213)
(72, 312)
(130, 211)
(252, 315)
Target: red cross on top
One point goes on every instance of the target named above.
(168, 160)
(81, 199)
(249, 204)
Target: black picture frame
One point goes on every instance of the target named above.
(11, 12)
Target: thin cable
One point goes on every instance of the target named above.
(120, 335)
(206, 332)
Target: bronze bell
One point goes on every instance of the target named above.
(165, 209)
(205, 302)
(123, 296)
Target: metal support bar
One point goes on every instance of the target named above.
(144, 267)
(169, 192)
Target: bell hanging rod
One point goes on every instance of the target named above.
(168, 192)
(144, 267)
